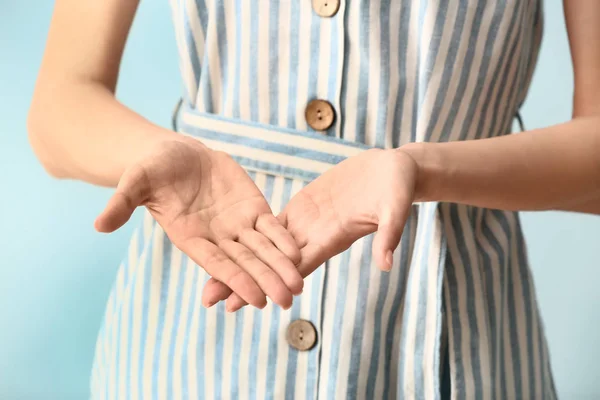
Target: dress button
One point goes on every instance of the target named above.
(301, 335)
(326, 8)
(319, 115)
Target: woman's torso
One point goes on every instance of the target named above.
(394, 72)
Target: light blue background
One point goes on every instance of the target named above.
(55, 271)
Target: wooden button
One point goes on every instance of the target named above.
(301, 335)
(319, 115)
(326, 8)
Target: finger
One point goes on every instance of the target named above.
(117, 212)
(269, 226)
(313, 255)
(214, 291)
(270, 283)
(389, 231)
(298, 226)
(217, 264)
(131, 193)
(234, 303)
(270, 255)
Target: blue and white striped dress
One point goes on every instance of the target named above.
(460, 293)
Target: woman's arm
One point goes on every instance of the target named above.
(206, 203)
(76, 127)
(551, 168)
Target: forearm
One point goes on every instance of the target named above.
(552, 168)
(76, 126)
(79, 130)
(590, 206)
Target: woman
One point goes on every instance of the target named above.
(342, 118)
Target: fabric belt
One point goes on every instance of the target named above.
(266, 148)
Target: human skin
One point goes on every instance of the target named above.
(553, 168)
(206, 203)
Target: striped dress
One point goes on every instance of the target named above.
(457, 315)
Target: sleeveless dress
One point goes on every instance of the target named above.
(457, 315)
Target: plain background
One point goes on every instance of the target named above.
(56, 272)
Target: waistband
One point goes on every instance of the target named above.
(267, 148)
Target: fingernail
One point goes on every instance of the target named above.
(389, 258)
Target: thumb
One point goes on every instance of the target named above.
(130, 193)
(389, 231)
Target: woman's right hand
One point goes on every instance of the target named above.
(213, 212)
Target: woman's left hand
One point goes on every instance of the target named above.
(370, 192)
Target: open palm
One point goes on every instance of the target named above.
(363, 194)
(212, 211)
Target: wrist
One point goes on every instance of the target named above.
(153, 141)
(146, 143)
(429, 166)
(146, 140)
